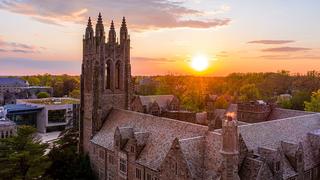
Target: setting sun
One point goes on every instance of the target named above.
(199, 63)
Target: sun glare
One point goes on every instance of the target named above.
(199, 63)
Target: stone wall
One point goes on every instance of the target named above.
(7, 129)
(175, 165)
(192, 117)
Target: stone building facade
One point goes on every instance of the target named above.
(259, 111)
(7, 129)
(253, 112)
(124, 144)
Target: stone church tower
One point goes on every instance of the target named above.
(230, 149)
(105, 77)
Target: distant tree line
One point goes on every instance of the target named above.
(63, 85)
(236, 87)
(191, 90)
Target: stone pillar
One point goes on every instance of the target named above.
(230, 149)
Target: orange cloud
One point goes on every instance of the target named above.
(151, 14)
(271, 41)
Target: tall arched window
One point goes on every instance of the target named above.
(108, 75)
(118, 74)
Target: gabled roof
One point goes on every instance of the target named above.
(250, 168)
(213, 158)
(270, 134)
(193, 152)
(162, 100)
(162, 132)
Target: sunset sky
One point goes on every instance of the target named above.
(45, 36)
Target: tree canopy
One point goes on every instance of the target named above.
(67, 163)
(23, 156)
(249, 92)
(314, 103)
(41, 95)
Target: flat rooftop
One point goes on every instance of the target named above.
(20, 108)
(52, 101)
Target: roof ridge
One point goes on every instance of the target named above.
(283, 119)
(191, 138)
(163, 118)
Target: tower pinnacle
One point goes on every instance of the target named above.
(89, 30)
(123, 31)
(112, 25)
(89, 22)
(99, 27)
(112, 33)
(124, 24)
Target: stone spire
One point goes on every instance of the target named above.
(89, 23)
(89, 30)
(123, 31)
(112, 34)
(99, 27)
(124, 24)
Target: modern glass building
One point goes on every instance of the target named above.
(22, 114)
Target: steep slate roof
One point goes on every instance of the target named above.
(201, 148)
(193, 152)
(162, 132)
(250, 168)
(270, 134)
(12, 82)
(162, 100)
(279, 113)
(213, 159)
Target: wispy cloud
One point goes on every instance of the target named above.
(6, 46)
(163, 60)
(271, 42)
(286, 57)
(286, 49)
(222, 9)
(142, 14)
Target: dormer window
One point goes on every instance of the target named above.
(132, 149)
(138, 173)
(123, 166)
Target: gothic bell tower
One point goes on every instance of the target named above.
(105, 77)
